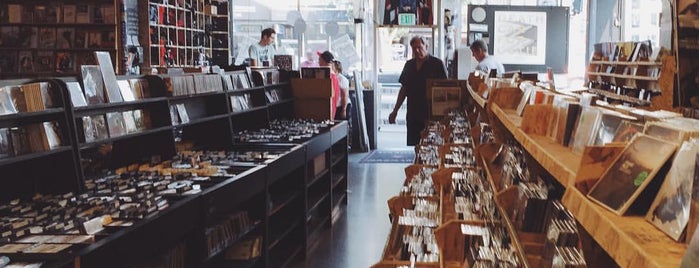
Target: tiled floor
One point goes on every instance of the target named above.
(357, 238)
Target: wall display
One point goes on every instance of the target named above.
(670, 209)
(93, 84)
(526, 38)
(631, 172)
(521, 37)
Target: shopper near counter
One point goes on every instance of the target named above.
(413, 81)
(486, 62)
(262, 53)
(327, 59)
(343, 105)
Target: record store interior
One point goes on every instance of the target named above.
(349, 133)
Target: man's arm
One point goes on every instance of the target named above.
(399, 103)
(253, 54)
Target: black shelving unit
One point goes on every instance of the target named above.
(288, 202)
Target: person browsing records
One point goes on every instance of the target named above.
(343, 104)
(479, 50)
(328, 59)
(413, 80)
(262, 53)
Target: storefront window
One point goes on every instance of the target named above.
(641, 20)
(324, 22)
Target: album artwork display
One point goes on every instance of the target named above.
(93, 84)
(127, 93)
(95, 128)
(115, 123)
(77, 97)
(670, 209)
(627, 130)
(631, 172)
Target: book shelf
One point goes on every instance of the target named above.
(186, 33)
(49, 39)
(272, 194)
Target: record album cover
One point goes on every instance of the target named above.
(7, 106)
(631, 172)
(93, 84)
(109, 77)
(77, 96)
(626, 131)
(130, 122)
(670, 209)
(26, 61)
(5, 143)
(115, 122)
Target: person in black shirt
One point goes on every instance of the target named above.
(413, 81)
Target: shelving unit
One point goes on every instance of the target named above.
(273, 193)
(185, 33)
(631, 241)
(49, 39)
(633, 78)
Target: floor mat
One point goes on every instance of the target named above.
(389, 156)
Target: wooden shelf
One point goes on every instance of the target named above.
(127, 136)
(23, 115)
(189, 96)
(30, 156)
(316, 178)
(630, 240)
(479, 100)
(559, 160)
(520, 250)
(100, 107)
(316, 200)
(281, 205)
(279, 237)
(202, 120)
(258, 108)
(623, 76)
(280, 102)
(111, 49)
(630, 63)
(58, 25)
(234, 240)
(336, 179)
(623, 98)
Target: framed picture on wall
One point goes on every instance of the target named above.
(521, 37)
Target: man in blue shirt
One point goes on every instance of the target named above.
(413, 81)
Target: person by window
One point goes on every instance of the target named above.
(413, 81)
(262, 53)
(479, 50)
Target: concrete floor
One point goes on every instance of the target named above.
(358, 237)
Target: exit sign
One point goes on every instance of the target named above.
(406, 19)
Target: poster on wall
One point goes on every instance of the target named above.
(520, 37)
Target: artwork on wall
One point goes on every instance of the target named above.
(521, 37)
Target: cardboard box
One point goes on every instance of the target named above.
(311, 88)
(317, 109)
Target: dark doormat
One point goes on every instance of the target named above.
(389, 156)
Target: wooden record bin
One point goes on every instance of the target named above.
(607, 239)
(286, 203)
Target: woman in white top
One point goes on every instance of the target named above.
(343, 104)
